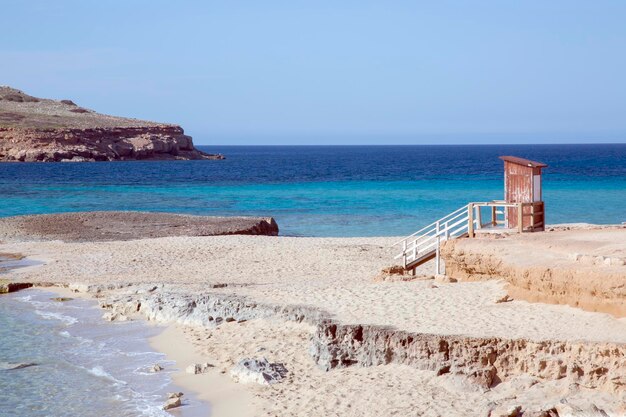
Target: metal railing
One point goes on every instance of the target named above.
(465, 221)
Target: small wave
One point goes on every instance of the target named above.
(46, 305)
(39, 304)
(142, 353)
(152, 410)
(82, 340)
(100, 372)
(49, 315)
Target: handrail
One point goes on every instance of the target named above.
(430, 225)
(463, 221)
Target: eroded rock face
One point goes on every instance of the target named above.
(210, 309)
(7, 287)
(99, 144)
(43, 130)
(486, 361)
(565, 280)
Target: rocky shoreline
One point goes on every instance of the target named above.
(310, 313)
(486, 362)
(42, 130)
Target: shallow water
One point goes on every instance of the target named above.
(326, 190)
(8, 263)
(83, 365)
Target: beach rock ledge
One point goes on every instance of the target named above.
(42, 130)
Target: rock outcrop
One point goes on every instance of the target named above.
(129, 225)
(198, 368)
(172, 403)
(9, 366)
(594, 280)
(34, 129)
(259, 371)
(484, 360)
(7, 287)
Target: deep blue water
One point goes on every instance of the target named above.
(326, 190)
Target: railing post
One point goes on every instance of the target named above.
(437, 230)
(447, 230)
(520, 217)
(437, 259)
(404, 254)
(494, 216)
(479, 218)
(470, 220)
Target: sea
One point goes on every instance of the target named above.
(62, 359)
(327, 190)
(84, 366)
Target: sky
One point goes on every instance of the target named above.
(332, 72)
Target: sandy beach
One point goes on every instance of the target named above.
(313, 209)
(353, 344)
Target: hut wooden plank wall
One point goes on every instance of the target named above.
(522, 184)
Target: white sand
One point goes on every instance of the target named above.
(390, 390)
(332, 274)
(337, 276)
(226, 398)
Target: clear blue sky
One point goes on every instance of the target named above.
(317, 72)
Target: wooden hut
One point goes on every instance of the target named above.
(522, 184)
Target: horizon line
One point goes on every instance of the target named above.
(423, 144)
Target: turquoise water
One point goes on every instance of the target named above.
(82, 365)
(325, 190)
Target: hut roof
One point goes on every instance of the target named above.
(524, 162)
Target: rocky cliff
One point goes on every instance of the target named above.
(584, 268)
(34, 129)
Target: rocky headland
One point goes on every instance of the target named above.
(42, 130)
